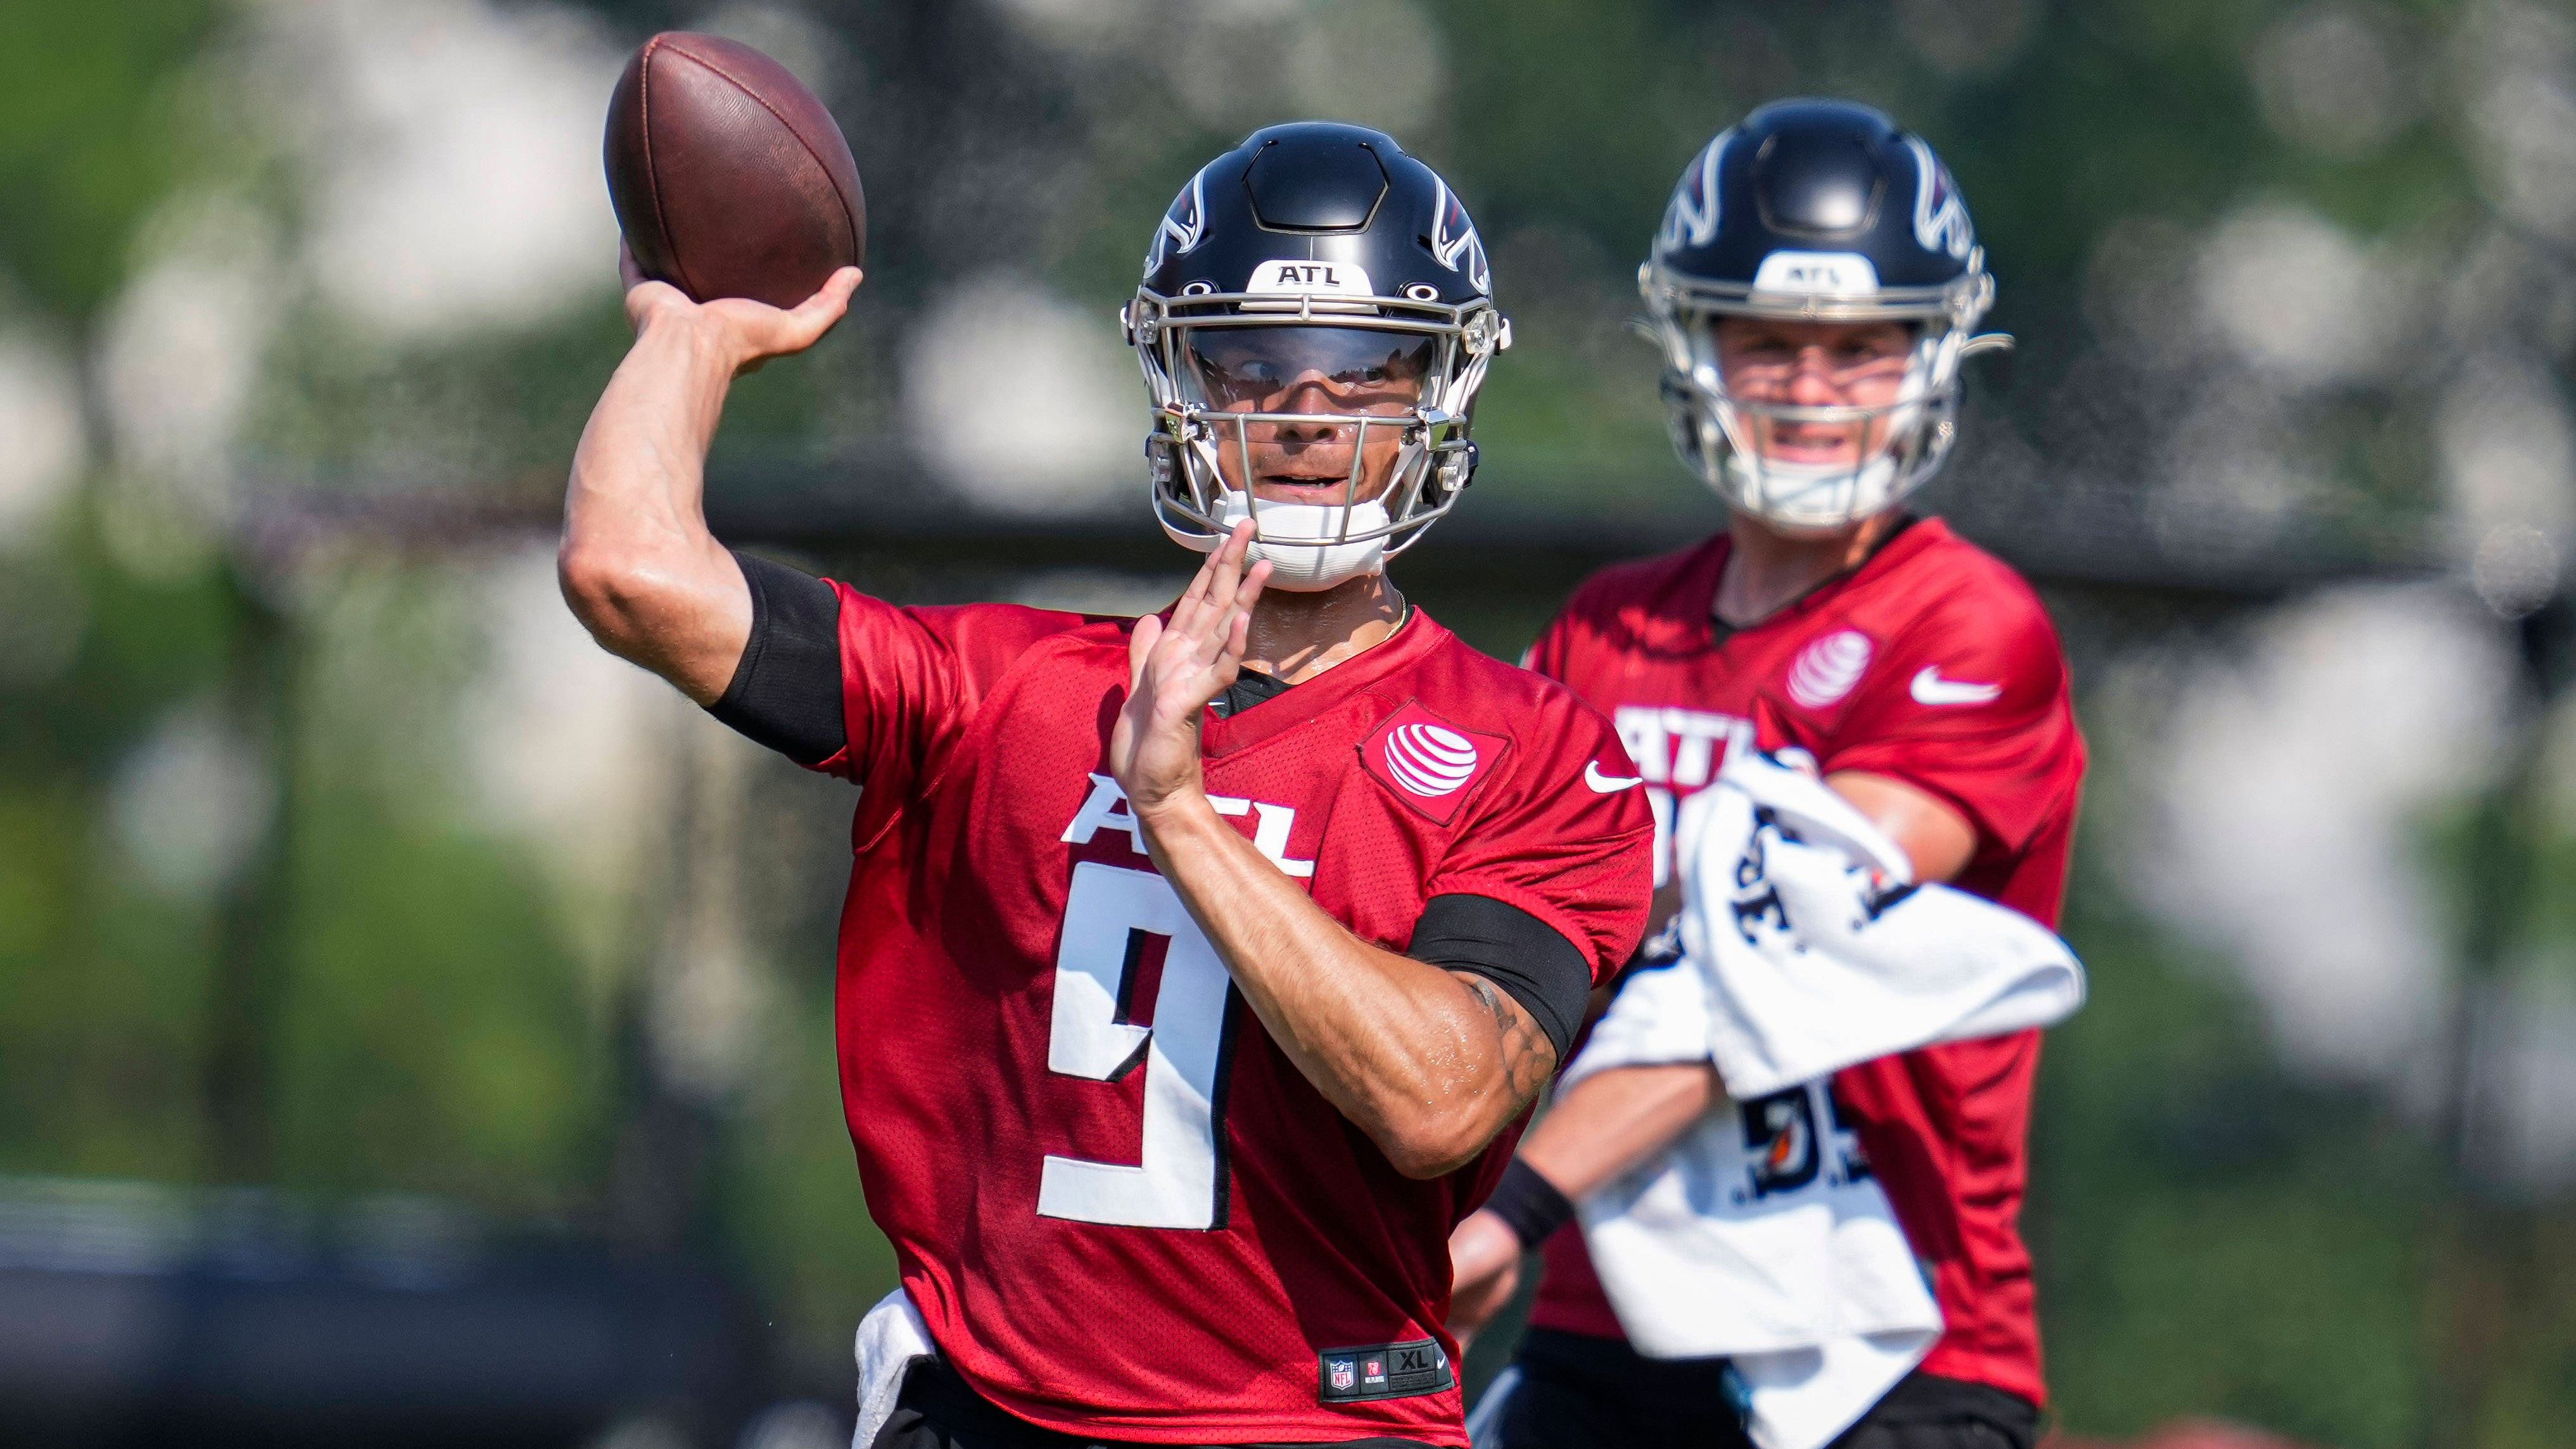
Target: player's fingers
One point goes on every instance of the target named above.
(629, 274)
(1224, 571)
(1255, 579)
(1233, 613)
(806, 322)
(1238, 640)
(1140, 650)
(1231, 555)
(1193, 600)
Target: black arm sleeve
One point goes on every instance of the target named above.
(786, 692)
(1515, 950)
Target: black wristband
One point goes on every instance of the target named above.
(1529, 1204)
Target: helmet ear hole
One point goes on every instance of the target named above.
(1422, 292)
(1458, 469)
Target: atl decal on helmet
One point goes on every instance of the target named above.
(1428, 760)
(1826, 670)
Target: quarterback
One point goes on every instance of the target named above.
(1194, 967)
(1815, 285)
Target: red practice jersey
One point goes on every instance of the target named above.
(1119, 1206)
(1933, 664)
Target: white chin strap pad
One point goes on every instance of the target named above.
(1300, 540)
(1809, 496)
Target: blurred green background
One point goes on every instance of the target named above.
(336, 860)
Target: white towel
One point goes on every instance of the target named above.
(1761, 1235)
(892, 1338)
(1821, 956)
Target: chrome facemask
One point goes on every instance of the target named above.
(1901, 443)
(1435, 354)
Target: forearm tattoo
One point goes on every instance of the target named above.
(1529, 1058)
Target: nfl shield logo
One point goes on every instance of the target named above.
(1343, 1374)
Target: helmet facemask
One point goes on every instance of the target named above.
(1359, 404)
(1729, 439)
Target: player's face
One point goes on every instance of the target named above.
(1315, 372)
(1815, 365)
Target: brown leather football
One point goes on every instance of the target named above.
(729, 177)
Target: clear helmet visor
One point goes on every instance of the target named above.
(1810, 396)
(1809, 425)
(1275, 369)
(1308, 415)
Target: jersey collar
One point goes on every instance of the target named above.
(1700, 584)
(1412, 641)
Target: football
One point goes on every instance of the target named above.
(729, 177)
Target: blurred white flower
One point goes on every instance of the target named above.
(2508, 463)
(43, 444)
(2515, 569)
(707, 1001)
(566, 746)
(2516, 68)
(183, 346)
(1023, 401)
(2532, 1083)
(1374, 63)
(455, 151)
(2229, 486)
(1088, 27)
(796, 1424)
(2296, 296)
(2333, 77)
(2285, 787)
(191, 802)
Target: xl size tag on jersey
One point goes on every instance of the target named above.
(1383, 1371)
(1428, 762)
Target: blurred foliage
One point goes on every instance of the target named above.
(87, 144)
(434, 1014)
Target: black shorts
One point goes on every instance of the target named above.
(1580, 1392)
(938, 1410)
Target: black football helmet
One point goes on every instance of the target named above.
(1824, 211)
(1319, 253)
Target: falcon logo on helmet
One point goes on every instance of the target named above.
(1452, 235)
(1315, 300)
(1940, 217)
(1182, 225)
(1691, 217)
(1801, 214)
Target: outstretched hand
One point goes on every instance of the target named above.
(1484, 1270)
(1174, 669)
(744, 332)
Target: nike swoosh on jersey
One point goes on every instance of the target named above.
(1608, 784)
(1931, 688)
